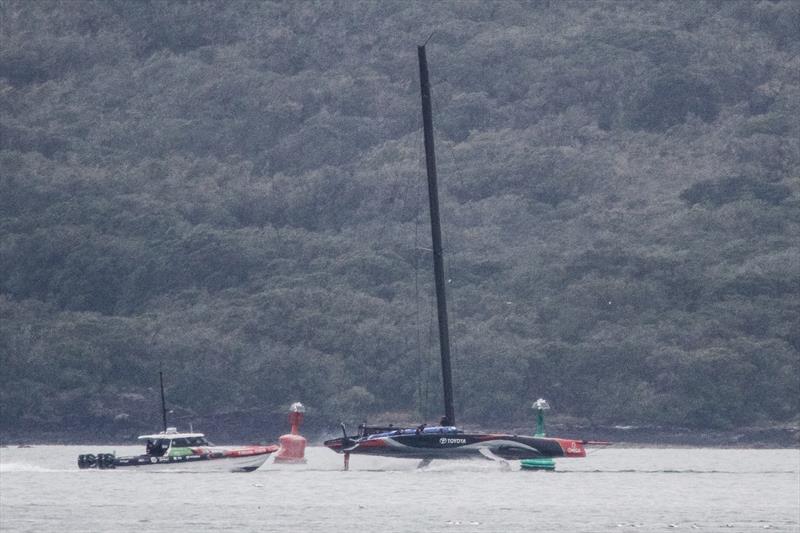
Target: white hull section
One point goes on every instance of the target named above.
(222, 464)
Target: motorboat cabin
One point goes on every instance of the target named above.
(170, 442)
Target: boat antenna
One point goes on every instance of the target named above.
(436, 235)
(163, 402)
(160, 379)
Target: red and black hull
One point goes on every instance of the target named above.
(458, 446)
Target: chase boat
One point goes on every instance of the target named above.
(185, 452)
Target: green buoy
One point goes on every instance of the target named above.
(541, 463)
(544, 463)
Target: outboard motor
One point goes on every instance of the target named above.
(87, 461)
(105, 460)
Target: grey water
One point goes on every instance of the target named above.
(614, 489)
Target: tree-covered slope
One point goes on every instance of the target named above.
(234, 192)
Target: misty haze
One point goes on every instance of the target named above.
(234, 194)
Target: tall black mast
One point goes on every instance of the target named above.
(436, 234)
(163, 402)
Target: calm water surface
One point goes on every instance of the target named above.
(41, 489)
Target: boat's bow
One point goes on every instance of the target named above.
(247, 459)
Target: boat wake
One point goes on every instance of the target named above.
(25, 467)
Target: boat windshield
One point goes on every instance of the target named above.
(189, 441)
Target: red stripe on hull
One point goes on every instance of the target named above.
(572, 448)
(255, 450)
(375, 443)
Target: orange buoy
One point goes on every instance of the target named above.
(293, 445)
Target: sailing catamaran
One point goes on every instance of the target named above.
(446, 441)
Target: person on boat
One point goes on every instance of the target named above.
(156, 448)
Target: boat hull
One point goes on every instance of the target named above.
(238, 460)
(201, 464)
(459, 446)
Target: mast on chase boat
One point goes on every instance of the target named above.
(163, 401)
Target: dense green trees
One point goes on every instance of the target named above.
(234, 193)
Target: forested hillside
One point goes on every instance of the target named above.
(234, 192)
